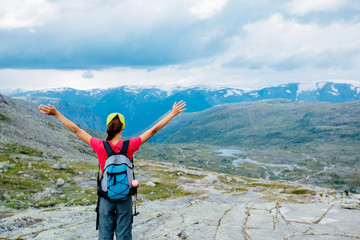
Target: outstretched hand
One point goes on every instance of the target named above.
(48, 110)
(178, 107)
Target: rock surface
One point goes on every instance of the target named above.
(216, 216)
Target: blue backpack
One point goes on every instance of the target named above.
(115, 182)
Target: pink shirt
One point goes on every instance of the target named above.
(98, 147)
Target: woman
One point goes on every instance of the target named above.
(108, 223)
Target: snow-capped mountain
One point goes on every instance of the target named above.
(142, 106)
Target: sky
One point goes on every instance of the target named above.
(87, 44)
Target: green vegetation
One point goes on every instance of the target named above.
(20, 149)
(4, 118)
(162, 191)
(28, 175)
(297, 191)
(274, 123)
(302, 191)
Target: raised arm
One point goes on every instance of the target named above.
(51, 110)
(176, 109)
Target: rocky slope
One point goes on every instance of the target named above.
(21, 123)
(218, 207)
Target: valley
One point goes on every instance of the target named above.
(297, 166)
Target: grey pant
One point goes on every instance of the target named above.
(115, 217)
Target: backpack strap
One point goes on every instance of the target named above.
(97, 213)
(135, 213)
(98, 200)
(124, 147)
(108, 149)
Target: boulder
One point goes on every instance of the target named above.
(351, 206)
(60, 182)
(58, 166)
(182, 235)
(6, 196)
(150, 184)
(5, 165)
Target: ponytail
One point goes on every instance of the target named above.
(114, 127)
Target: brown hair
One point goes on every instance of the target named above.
(114, 127)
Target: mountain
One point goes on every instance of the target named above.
(142, 106)
(267, 123)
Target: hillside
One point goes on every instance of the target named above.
(280, 123)
(21, 123)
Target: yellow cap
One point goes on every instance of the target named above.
(113, 115)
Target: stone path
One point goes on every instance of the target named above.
(216, 216)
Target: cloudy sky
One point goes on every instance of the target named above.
(107, 43)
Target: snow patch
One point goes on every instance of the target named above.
(94, 92)
(334, 91)
(320, 85)
(350, 82)
(229, 93)
(306, 87)
(21, 98)
(255, 94)
(131, 89)
(60, 89)
(355, 89)
(238, 92)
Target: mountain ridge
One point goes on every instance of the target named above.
(142, 106)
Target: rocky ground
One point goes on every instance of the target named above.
(214, 210)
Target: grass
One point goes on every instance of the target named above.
(300, 191)
(162, 190)
(22, 188)
(268, 185)
(22, 183)
(21, 149)
(5, 119)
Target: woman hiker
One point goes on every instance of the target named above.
(108, 224)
